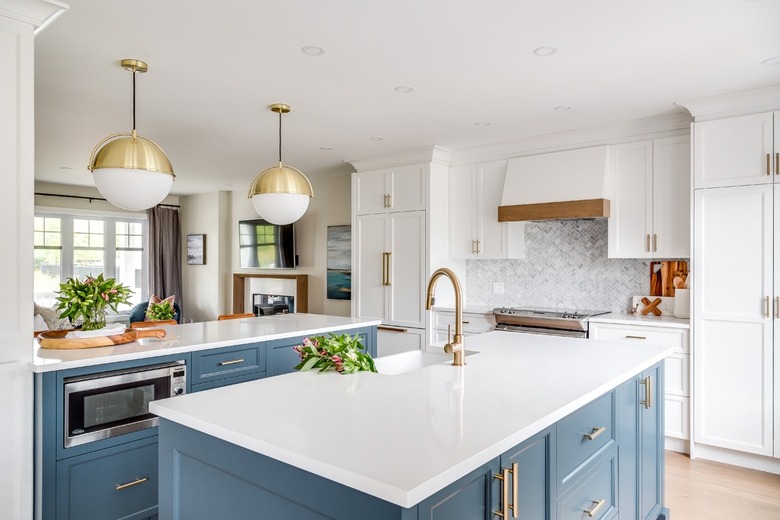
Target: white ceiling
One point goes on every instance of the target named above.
(215, 66)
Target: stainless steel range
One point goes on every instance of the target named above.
(553, 322)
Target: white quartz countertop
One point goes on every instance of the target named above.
(640, 319)
(190, 337)
(403, 437)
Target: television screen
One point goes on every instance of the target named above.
(265, 245)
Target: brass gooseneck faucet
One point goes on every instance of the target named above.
(454, 346)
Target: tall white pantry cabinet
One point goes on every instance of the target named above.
(395, 247)
(737, 285)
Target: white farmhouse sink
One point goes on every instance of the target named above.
(413, 360)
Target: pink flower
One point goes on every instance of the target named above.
(113, 291)
(104, 296)
(337, 359)
(89, 280)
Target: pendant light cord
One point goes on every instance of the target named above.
(134, 74)
(280, 137)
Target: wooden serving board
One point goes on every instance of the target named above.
(55, 339)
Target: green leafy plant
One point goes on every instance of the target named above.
(342, 352)
(160, 311)
(90, 298)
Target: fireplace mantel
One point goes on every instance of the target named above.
(301, 289)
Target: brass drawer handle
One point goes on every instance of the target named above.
(777, 307)
(648, 382)
(777, 163)
(768, 163)
(655, 243)
(231, 362)
(120, 487)
(766, 307)
(648, 243)
(504, 478)
(636, 337)
(391, 329)
(597, 505)
(595, 433)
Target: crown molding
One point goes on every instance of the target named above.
(739, 103)
(675, 124)
(38, 13)
(425, 154)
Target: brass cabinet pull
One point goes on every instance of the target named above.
(120, 487)
(636, 337)
(504, 478)
(648, 382)
(777, 307)
(648, 243)
(777, 163)
(385, 268)
(595, 433)
(478, 247)
(766, 307)
(655, 243)
(597, 505)
(768, 163)
(473, 247)
(388, 328)
(389, 200)
(514, 473)
(231, 362)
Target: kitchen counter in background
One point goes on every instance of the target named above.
(645, 321)
(191, 337)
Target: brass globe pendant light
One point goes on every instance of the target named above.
(280, 194)
(131, 171)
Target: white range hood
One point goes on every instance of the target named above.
(559, 185)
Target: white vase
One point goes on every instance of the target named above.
(682, 303)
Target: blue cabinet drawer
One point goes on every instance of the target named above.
(210, 365)
(594, 492)
(583, 433)
(119, 482)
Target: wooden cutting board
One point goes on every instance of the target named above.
(55, 339)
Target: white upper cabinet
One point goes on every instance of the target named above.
(737, 151)
(390, 190)
(475, 232)
(650, 199)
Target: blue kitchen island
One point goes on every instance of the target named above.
(532, 427)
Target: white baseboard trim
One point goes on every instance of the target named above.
(736, 458)
(678, 445)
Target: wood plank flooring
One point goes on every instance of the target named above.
(702, 489)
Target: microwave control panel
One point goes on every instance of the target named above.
(179, 381)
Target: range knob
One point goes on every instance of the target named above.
(179, 391)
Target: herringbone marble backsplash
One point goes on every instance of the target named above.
(565, 265)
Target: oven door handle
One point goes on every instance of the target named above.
(545, 332)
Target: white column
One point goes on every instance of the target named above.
(18, 20)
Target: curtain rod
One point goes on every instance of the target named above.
(90, 199)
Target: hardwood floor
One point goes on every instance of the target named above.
(702, 489)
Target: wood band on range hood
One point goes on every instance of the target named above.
(590, 208)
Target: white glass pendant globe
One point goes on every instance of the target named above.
(132, 190)
(281, 208)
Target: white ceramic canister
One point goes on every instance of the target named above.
(682, 303)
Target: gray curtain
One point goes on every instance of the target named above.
(165, 254)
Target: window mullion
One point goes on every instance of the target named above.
(67, 258)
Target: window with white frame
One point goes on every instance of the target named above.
(78, 245)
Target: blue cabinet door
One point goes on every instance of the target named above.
(651, 443)
(534, 477)
(469, 498)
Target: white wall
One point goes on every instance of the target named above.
(329, 207)
(206, 288)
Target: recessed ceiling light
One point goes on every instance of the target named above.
(562, 108)
(545, 51)
(403, 89)
(772, 61)
(312, 50)
(326, 148)
(481, 124)
(375, 138)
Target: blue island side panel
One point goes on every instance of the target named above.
(202, 477)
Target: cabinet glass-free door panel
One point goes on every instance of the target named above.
(733, 151)
(733, 320)
(672, 197)
(406, 302)
(370, 244)
(462, 218)
(370, 193)
(631, 200)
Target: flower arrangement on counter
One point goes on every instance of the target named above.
(342, 352)
(90, 298)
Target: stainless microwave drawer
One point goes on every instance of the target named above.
(211, 365)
